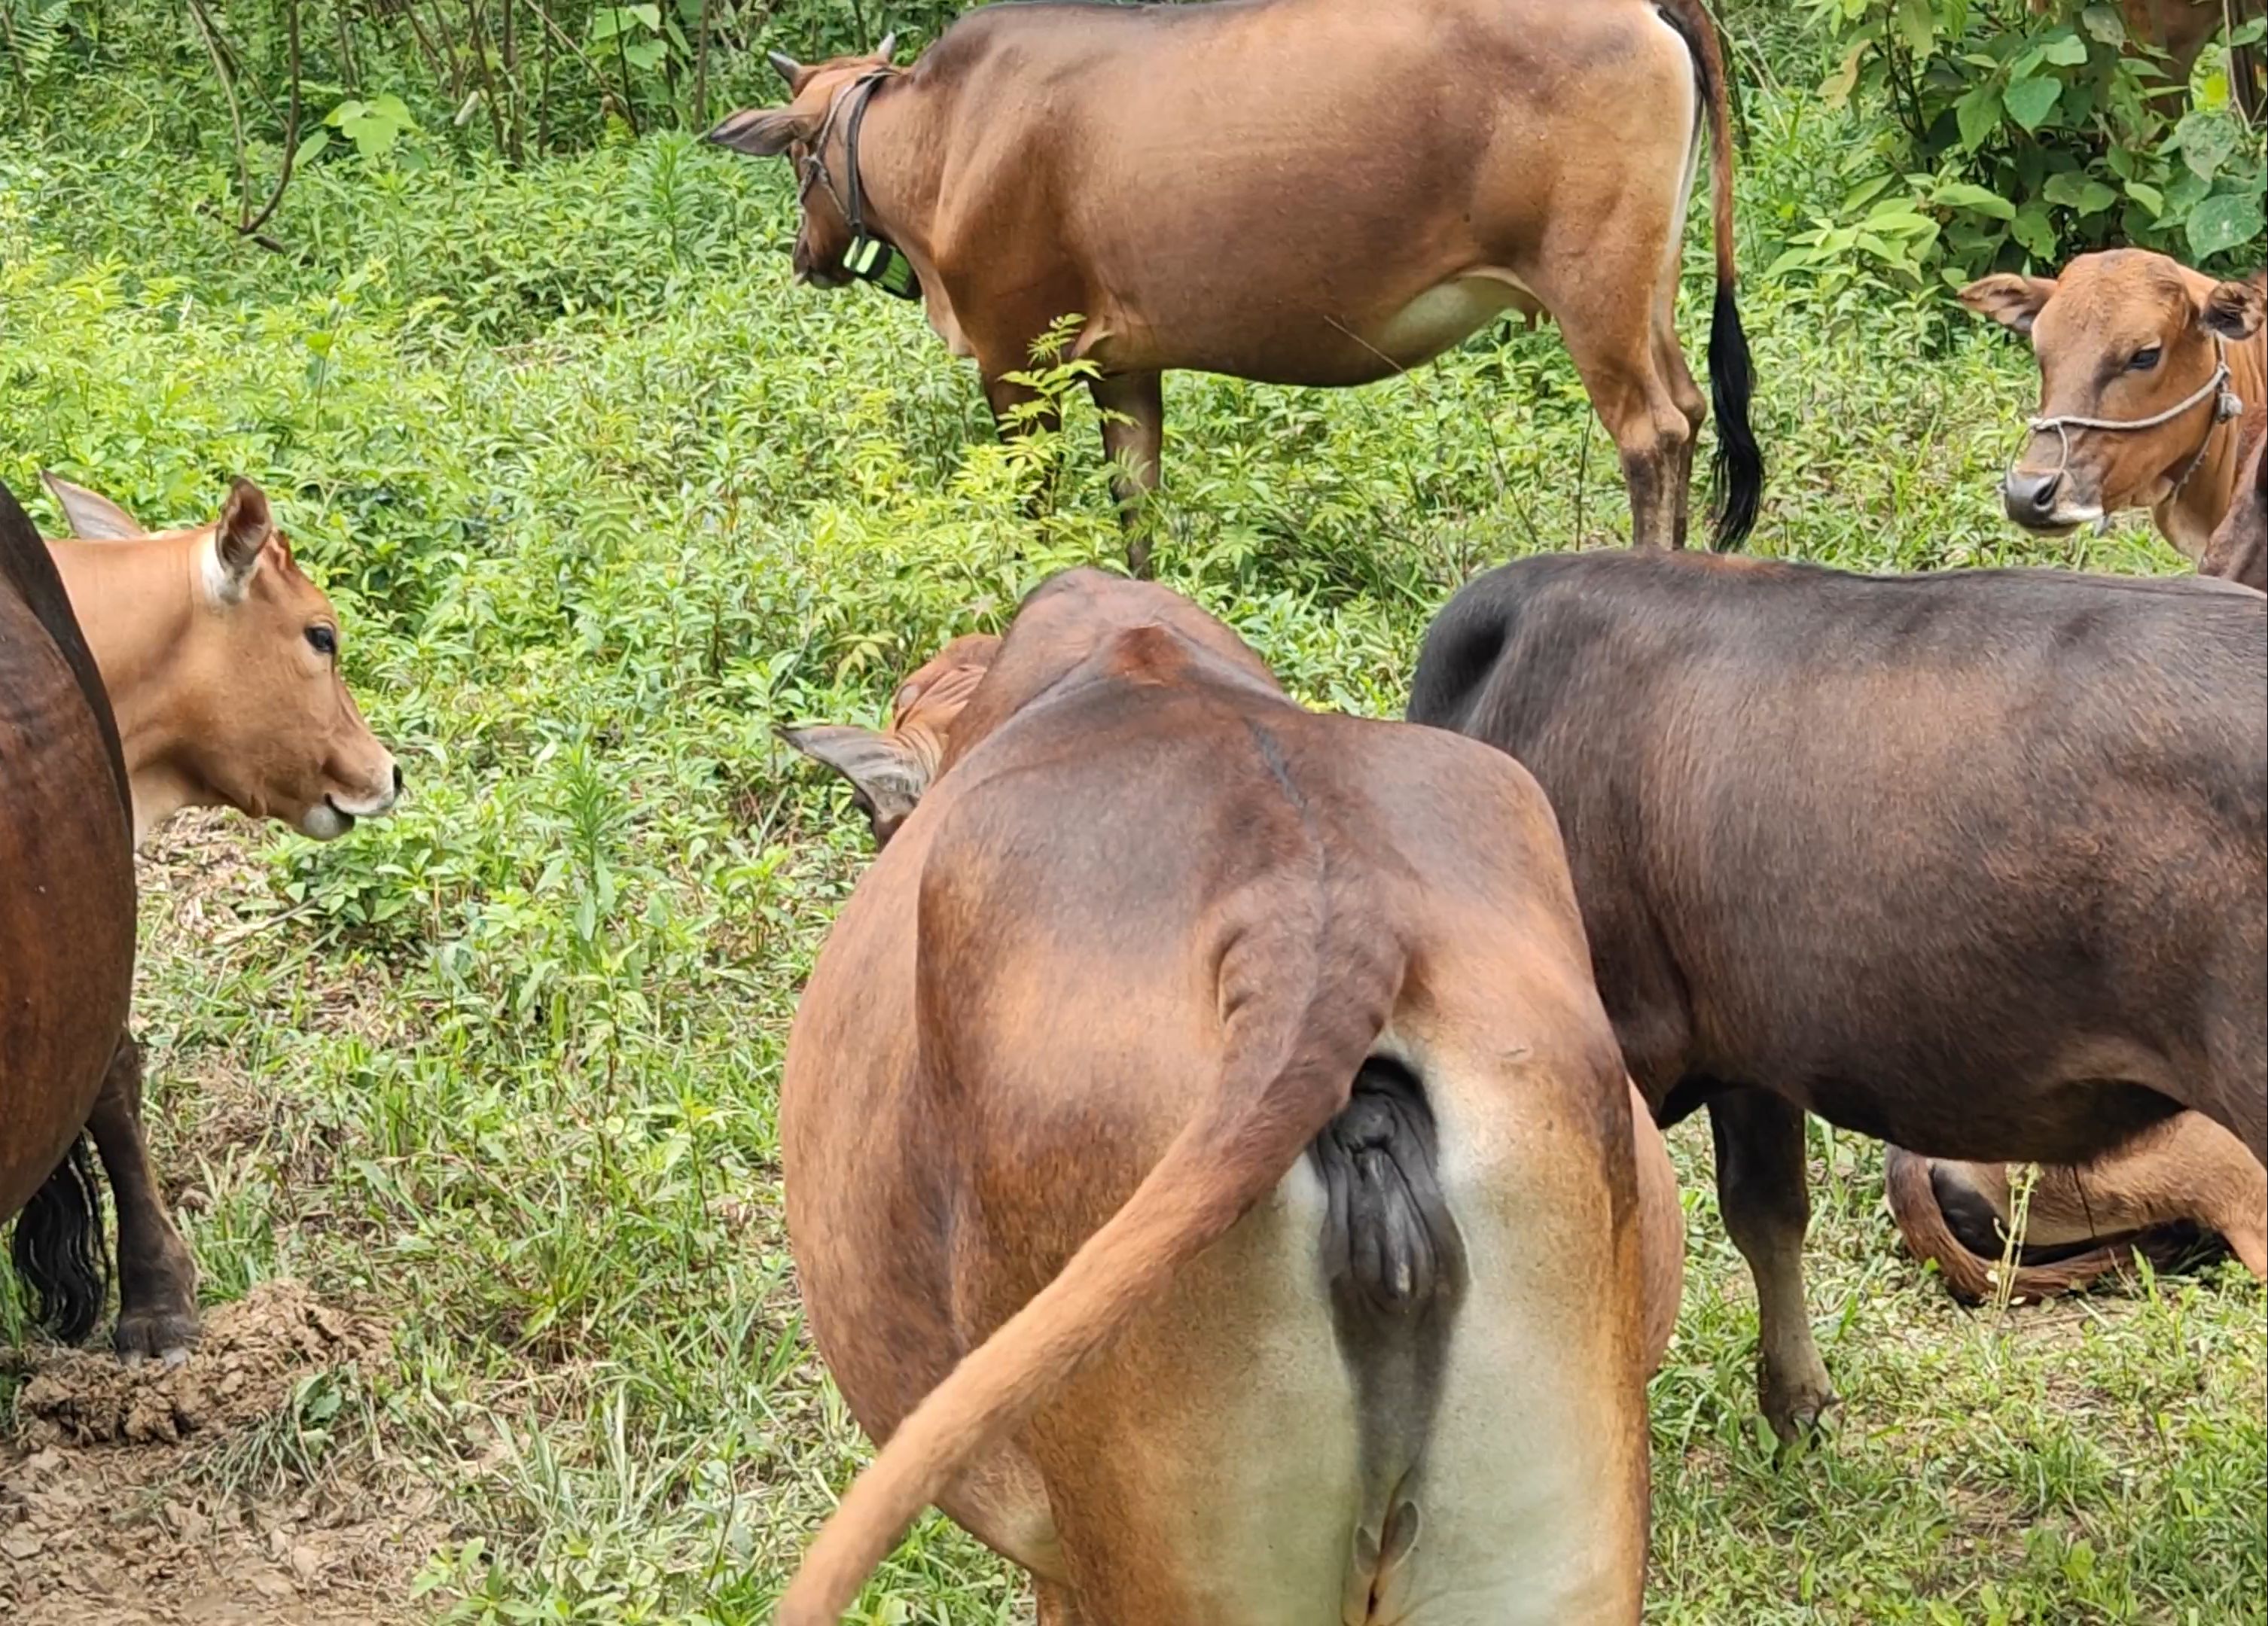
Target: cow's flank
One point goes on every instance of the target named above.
(1316, 192)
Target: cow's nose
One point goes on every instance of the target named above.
(2030, 499)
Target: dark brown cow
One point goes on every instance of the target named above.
(1209, 1168)
(2166, 1191)
(2153, 379)
(1976, 864)
(1318, 192)
(66, 916)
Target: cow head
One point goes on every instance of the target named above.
(233, 698)
(804, 131)
(889, 769)
(2121, 336)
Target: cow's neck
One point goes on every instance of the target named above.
(898, 173)
(2188, 518)
(139, 606)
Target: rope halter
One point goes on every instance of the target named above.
(2228, 405)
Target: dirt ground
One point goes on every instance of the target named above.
(155, 1496)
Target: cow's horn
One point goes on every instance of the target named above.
(785, 66)
(889, 44)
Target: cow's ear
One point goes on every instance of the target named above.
(92, 517)
(2232, 310)
(765, 132)
(2012, 301)
(239, 539)
(886, 774)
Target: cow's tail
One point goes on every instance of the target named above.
(1301, 1010)
(1974, 1279)
(1738, 473)
(59, 1250)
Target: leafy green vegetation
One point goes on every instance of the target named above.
(2018, 133)
(603, 499)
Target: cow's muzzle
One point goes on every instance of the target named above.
(2041, 502)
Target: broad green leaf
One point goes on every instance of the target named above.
(2031, 100)
(311, 145)
(2034, 229)
(2066, 50)
(1976, 199)
(1918, 23)
(647, 53)
(2147, 195)
(1979, 114)
(2207, 141)
(2081, 192)
(2104, 22)
(2225, 222)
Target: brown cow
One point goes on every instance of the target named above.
(66, 901)
(2152, 377)
(220, 663)
(1208, 1167)
(2152, 1196)
(1314, 192)
(1974, 863)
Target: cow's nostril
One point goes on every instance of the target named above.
(2032, 496)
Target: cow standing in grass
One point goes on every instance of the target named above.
(1314, 192)
(219, 659)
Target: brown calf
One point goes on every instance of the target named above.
(219, 660)
(2152, 377)
(66, 908)
(1317, 192)
(1209, 1169)
(2085, 1221)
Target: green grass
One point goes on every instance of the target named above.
(603, 499)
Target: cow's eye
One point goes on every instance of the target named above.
(2145, 358)
(323, 640)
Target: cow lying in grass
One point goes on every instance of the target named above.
(1319, 192)
(2153, 386)
(1974, 863)
(2168, 1195)
(219, 660)
(1209, 1169)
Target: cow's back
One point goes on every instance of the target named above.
(1886, 845)
(66, 869)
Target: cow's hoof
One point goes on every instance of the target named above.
(1797, 1409)
(162, 1335)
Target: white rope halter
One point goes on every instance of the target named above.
(2228, 406)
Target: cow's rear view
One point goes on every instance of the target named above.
(1210, 1169)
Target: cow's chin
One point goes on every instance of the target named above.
(2063, 521)
(326, 823)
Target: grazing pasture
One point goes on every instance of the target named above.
(488, 1087)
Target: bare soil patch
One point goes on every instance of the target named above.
(117, 1507)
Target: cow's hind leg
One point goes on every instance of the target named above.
(1761, 1190)
(1133, 407)
(157, 1281)
(1669, 361)
(1614, 346)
